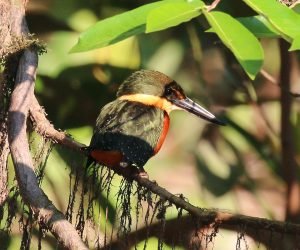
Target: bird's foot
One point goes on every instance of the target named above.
(134, 170)
(141, 173)
(124, 164)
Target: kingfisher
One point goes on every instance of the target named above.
(131, 129)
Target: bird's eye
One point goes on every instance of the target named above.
(168, 91)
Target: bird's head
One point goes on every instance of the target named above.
(155, 88)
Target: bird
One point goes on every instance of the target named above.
(132, 128)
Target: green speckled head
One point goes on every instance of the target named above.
(157, 84)
(148, 82)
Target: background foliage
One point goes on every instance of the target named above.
(236, 167)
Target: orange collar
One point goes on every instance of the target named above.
(150, 100)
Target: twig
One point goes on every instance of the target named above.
(46, 129)
(208, 216)
(31, 193)
(3, 171)
(294, 4)
(268, 76)
(273, 80)
(4, 147)
(213, 5)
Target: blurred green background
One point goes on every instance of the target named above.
(235, 168)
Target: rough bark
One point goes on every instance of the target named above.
(21, 100)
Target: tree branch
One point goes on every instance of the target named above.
(29, 189)
(188, 227)
(21, 99)
(206, 216)
(45, 128)
(287, 138)
(3, 171)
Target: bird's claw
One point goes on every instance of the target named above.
(141, 173)
(124, 164)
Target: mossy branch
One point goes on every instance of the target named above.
(26, 62)
(208, 217)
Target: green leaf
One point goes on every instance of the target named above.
(172, 14)
(296, 8)
(115, 29)
(295, 44)
(259, 26)
(239, 40)
(284, 19)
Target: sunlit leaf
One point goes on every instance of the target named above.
(295, 44)
(259, 26)
(115, 29)
(124, 54)
(284, 19)
(172, 14)
(243, 44)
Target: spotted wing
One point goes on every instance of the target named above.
(128, 127)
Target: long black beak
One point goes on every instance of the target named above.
(194, 108)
